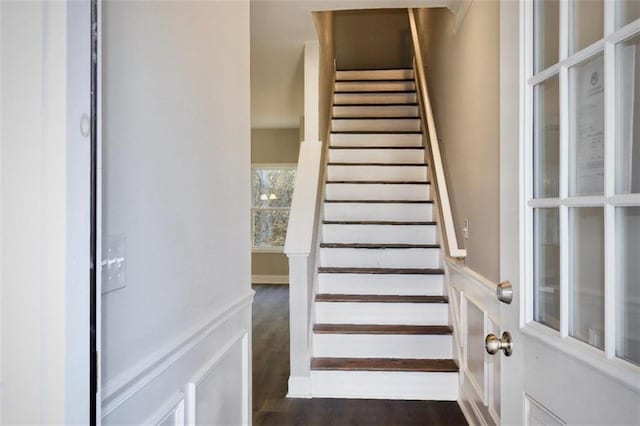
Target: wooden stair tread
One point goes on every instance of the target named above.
(374, 80)
(382, 201)
(379, 245)
(377, 92)
(385, 364)
(362, 117)
(376, 147)
(380, 182)
(380, 271)
(379, 164)
(376, 222)
(381, 329)
(375, 104)
(378, 132)
(379, 298)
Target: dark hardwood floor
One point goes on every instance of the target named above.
(271, 371)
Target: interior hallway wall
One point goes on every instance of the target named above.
(462, 70)
(176, 158)
(370, 39)
(273, 146)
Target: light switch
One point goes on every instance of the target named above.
(113, 263)
(465, 229)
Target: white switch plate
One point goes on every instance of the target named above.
(113, 263)
(465, 229)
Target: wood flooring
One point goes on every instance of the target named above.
(271, 371)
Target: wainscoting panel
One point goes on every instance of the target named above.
(203, 375)
(475, 313)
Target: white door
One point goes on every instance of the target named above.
(570, 211)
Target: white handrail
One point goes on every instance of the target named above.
(434, 148)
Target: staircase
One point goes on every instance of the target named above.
(381, 315)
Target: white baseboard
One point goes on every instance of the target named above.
(299, 387)
(270, 279)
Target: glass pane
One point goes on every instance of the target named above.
(272, 187)
(586, 282)
(546, 26)
(587, 23)
(628, 127)
(546, 267)
(628, 303)
(627, 12)
(546, 139)
(587, 127)
(270, 227)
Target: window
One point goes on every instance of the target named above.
(272, 191)
(582, 185)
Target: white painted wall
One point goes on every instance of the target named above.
(176, 152)
(44, 262)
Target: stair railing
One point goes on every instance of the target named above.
(439, 182)
(302, 247)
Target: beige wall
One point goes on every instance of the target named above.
(273, 146)
(463, 75)
(325, 22)
(367, 39)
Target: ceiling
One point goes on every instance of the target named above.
(279, 29)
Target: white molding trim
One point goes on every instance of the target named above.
(465, 270)
(201, 374)
(129, 382)
(169, 407)
(299, 387)
(270, 279)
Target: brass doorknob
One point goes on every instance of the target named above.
(493, 344)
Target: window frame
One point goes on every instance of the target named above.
(604, 360)
(267, 166)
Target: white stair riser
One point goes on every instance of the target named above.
(345, 139)
(375, 125)
(406, 156)
(386, 173)
(380, 258)
(382, 313)
(409, 234)
(374, 86)
(401, 284)
(374, 98)
(385, 385)
(383, 346)
(389, 211)
(357, 191)
(398, 74)
(376, 111)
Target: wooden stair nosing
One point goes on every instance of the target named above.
(402, 147)
(378, 298)
(385, 364)
(380, 201)
(379, 132)
(398, 329)
(378, 182)
(376, 80)
(406, 117)
(379, 164)
(375, 69)
(379, 246)
(379, 222)
(375, 104)
(377, 92)
(380, 271)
